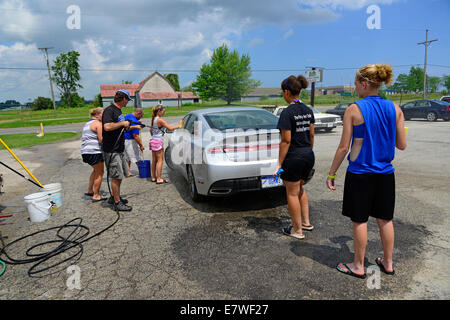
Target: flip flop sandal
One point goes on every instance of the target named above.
(162, 182)
(153, 180)
(98, 200)
(350, 272)
(88, 194)
(307, 228)
(287, 231)
(379, 263)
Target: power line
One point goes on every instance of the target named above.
(197, 70)
(426, 43)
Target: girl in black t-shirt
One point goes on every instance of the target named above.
(296, 156)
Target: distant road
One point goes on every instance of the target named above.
(76, 127)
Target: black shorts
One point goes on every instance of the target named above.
(92, 159)
(369, 194)
(298, 166)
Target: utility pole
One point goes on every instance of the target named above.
(426, 43)
(313, 90)
(49, 76)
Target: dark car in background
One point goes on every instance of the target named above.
(427, 109)
(339, 109)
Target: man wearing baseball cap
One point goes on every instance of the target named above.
(114, 145)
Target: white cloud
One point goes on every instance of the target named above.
(289, 33)
(255, 42)
(178, 34)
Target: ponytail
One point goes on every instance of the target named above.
(155, 111)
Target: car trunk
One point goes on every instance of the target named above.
(250, 145)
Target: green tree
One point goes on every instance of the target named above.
(227, 76)
(98, 103)
(173, 79)
(433, 84)
(66, 76)
(415, 79)
(75, 101)
(41, 103)
(189, 89)
(401, 83)
(446, 82)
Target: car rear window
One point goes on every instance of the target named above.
(245, 119)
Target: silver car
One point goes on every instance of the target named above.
(221, 151)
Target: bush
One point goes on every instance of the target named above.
(76, 101)
(42, 103)
(98, 103)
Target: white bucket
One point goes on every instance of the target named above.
(38, 206)
(54, 190)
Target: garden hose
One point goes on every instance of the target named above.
(64, 243)
(4, 267)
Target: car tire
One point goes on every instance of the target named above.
(432, 116)
(446, 119)
(192, 187)
(168, 158)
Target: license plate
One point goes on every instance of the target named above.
(270, 182)
(330, 125)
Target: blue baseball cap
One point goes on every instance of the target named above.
(125, 92)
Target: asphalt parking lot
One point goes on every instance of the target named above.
(171, 248)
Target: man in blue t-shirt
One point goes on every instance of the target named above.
(133, 142)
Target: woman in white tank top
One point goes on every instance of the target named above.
(156, 142)
(91, 152)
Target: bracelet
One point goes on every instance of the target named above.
(332, 177)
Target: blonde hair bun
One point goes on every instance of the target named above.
(376, 74)
(385, 73)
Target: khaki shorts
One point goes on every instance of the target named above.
(132, 151)
(116, 164)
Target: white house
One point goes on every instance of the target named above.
(153, 90)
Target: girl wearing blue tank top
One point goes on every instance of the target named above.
(374, 127)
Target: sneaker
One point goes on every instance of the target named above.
(111, 200)
(122, 207)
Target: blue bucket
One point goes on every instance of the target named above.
(144, 169)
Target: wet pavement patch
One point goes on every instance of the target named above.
(247, 257)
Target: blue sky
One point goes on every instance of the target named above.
(171, 35)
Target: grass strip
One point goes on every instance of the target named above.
(20, 140)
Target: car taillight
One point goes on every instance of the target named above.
(215, 150)
(250, 148)
(243, 149)
(448, 108)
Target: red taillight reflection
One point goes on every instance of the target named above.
(215, 150)
(244, 149)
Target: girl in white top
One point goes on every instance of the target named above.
(156, 142)
(91, 152)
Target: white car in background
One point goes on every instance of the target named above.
(324, 121)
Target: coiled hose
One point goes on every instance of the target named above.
(74, 240)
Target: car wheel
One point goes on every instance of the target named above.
(431, 116)
(192, 187)
(446, 119)
(168, 158)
